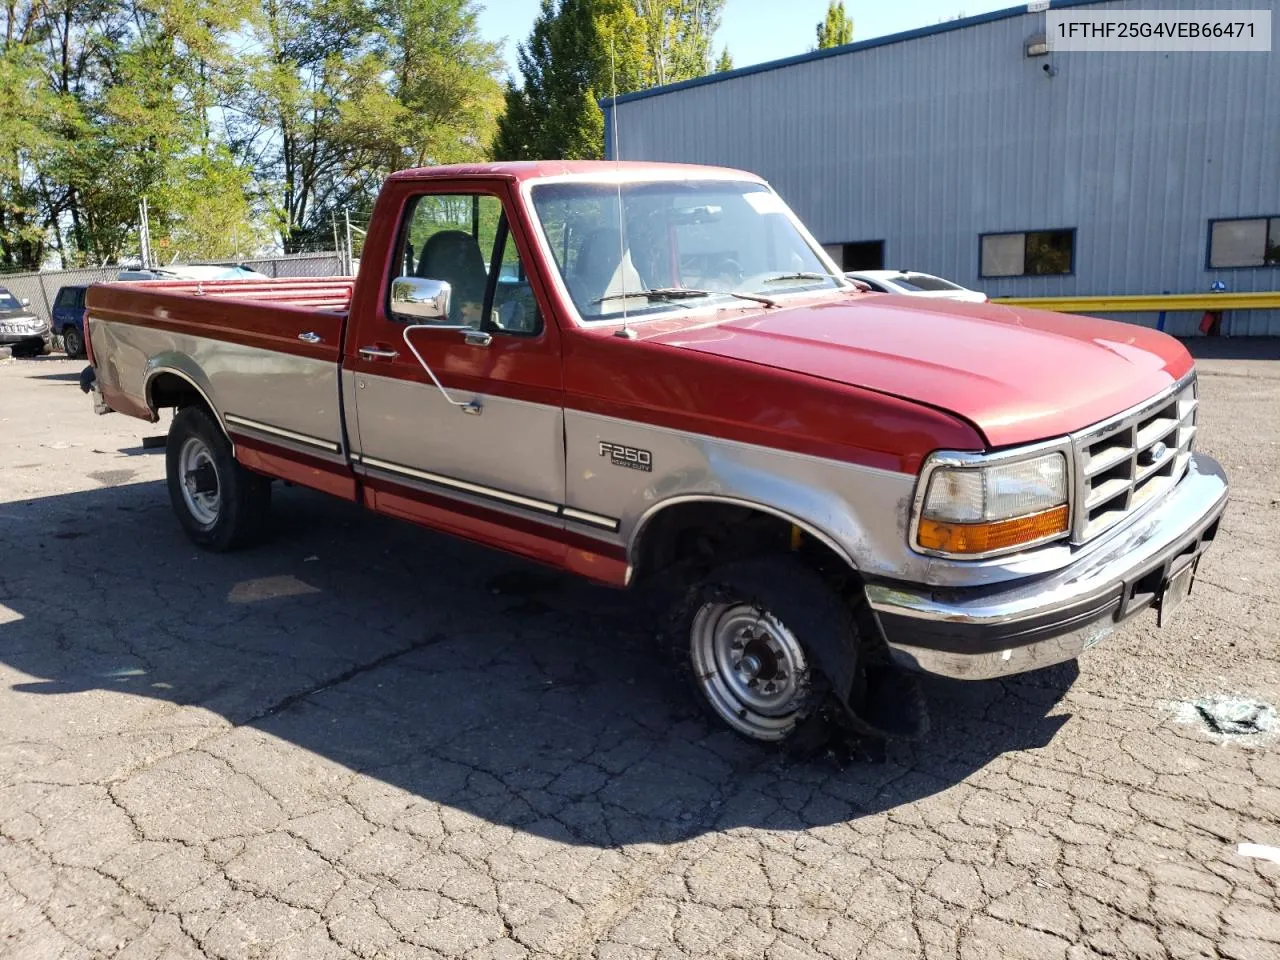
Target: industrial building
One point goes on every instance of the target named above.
(968, 150)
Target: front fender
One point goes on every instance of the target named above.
(860, 513)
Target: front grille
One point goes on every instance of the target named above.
(1132, 459)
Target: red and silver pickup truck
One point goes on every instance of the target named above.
(625, 370)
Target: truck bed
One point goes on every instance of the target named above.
(311, 293)
(265, 354)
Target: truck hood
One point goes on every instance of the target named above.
(1017, 375)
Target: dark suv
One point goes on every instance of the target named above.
(68, 319)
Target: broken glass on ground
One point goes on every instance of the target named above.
(1230, 719)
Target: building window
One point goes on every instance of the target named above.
(863, 255)
(1244, 243)
(1028, 253)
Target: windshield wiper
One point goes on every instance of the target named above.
(684, 293)
(800, 275)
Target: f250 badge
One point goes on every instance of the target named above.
(633, 458)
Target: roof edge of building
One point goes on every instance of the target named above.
(946, 27)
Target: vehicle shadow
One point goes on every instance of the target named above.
(1233, 348)
(464, 677)
(61, 377)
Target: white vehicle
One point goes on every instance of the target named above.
(199, 272)
(912, 284)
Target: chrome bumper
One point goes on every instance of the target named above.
(984, 632)
(8, 337)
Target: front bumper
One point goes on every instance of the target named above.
(8, 337)
(983, 632)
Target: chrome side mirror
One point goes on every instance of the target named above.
(419, 298)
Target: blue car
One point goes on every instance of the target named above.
(68, 319)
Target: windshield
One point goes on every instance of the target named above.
(922, 282)
(683, 244)
(8, 301)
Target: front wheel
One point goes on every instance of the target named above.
(219, 503)
(745, 638)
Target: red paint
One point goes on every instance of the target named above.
(547, 543)
(268, 314)
(1018, 375)
(869, 379)
(88, 340)
(120, 402)
(519, 171)
(653, 382)
(293, 467)
(521, 368)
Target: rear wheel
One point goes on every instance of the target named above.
(744, 637)
(72, 343)
(219, 503)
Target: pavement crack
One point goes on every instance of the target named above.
(284, 703)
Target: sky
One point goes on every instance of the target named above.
(760, 30)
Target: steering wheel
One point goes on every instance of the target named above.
(725, 275)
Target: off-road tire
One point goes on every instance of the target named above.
(801, 601)
(242, 499)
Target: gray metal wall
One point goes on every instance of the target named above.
(929, 142)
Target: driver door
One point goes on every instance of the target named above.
(460, 415)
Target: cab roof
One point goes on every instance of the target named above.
(522, 170)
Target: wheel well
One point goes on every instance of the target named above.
(168, 389)
(706, 533)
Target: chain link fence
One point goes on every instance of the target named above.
(42, 288)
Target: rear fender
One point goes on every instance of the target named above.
(184, 368)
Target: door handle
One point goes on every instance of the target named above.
(378, 353)
(477, 338)
(310, 337)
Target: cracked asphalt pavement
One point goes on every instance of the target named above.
(368, 740)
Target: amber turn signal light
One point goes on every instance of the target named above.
(992, 534)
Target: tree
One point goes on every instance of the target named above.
(553, 114)
(581, 52)
(836, 29)
(343, 92)
(443, 97)
(677, 35)
(31, 117)
(115, 98)
(725, 63)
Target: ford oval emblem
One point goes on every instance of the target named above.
(1154, 453)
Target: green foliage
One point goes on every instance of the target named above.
(29, 118)
(836, 29)
(553, 114)
(237, 119)
(582, 51)
(725, 63)
(677, 35)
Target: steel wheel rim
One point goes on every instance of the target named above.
(71, 341)
(195, 463)
(751, 668)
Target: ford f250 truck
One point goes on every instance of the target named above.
(626, 370)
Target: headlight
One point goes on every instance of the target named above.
(976, 509)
